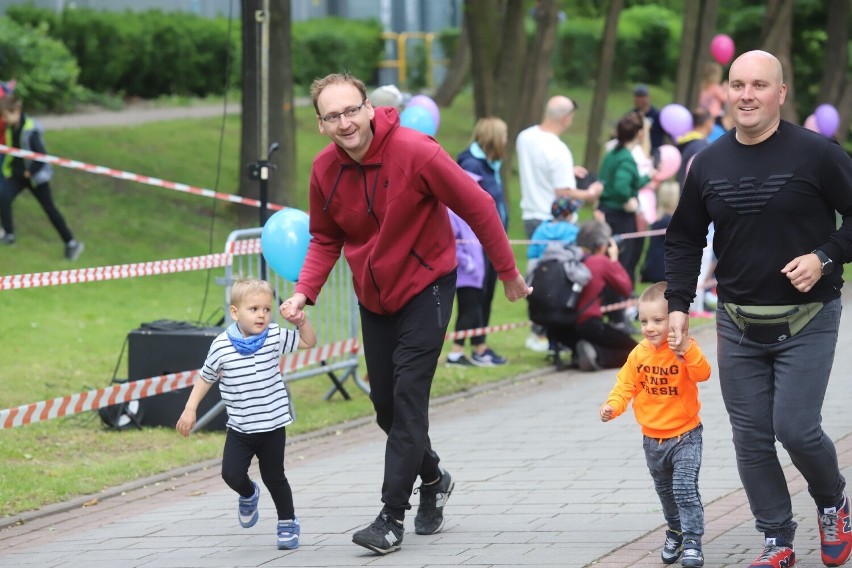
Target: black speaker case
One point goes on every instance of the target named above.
(153, 351)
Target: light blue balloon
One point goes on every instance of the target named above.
(284, 242)
(419, 118)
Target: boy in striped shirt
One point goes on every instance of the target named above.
(246, 359)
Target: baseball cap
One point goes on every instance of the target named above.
(562, 207)
(640, 91)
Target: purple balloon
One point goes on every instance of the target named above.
(827, 119)
(676, 120)
(428, 104)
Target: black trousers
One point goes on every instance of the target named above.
(11, 188)
(612, 344)
(401, 351)
(469, 314)
(269, 448)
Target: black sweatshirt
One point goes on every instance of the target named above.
(770, 203)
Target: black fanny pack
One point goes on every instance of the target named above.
(772, 324)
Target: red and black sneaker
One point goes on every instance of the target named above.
(835, 534)
(776, 554)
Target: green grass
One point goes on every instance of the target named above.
(66, 339)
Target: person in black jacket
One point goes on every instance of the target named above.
(772, 189)
(19, 174)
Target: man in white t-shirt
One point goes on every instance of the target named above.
(546, 165)
(547, 171)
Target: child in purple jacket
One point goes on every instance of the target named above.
(471, 275)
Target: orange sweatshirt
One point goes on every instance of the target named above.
(663, 388)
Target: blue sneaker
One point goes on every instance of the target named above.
(487, 358)
(288, 534)
(247, 509)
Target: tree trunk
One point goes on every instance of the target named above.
(282, 115)
(281, 118)
(706, 31)
(688, 48)
(529, 67)
(777, 37)
(538, 68)
(836, 83)
(844, 107)
(482, 18)
(597, 115)
(457, 71)
(509, 73)
(249, 132)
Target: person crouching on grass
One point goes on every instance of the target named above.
(663, 384)
(246, 359)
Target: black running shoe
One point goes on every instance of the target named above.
(430, 513)
(384, 535)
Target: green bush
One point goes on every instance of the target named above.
(333, 45)
(146, 54)
(648, 44)
(577, 51)
(646, 49)
(45, 70)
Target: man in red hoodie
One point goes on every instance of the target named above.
(379, 192)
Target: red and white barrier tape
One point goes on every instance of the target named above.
(465, 333)
(125, 392)
(133, 390)
(118, 271)
(75, 276)
(636, 235)
(121, 174)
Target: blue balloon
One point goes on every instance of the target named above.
(419, 118)
(284, 242)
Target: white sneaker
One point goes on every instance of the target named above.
(537, 344)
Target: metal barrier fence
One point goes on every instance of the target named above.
(335, 318)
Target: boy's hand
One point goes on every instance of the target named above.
(186, 422)
(678, 348)
(606, 413)
(296, 317)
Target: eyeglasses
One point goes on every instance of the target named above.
(334, 117)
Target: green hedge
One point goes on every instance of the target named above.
(333, 45)
(154, 53)
(145, 54)
(45, 71)
(646, 49)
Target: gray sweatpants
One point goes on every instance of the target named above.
(674, 464)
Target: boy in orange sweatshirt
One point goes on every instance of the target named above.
(663, 384)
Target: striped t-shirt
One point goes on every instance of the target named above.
(251, 385)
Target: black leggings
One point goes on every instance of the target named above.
(11, 188)
(269, 448)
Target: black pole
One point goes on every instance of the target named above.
(260, 171)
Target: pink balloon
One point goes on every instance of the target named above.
(827, 119)
(676, 120)
(648, 204)
(810, 123)
(722, 49)
(670, 159)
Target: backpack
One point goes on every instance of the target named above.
(553, 302)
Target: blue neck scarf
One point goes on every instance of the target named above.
(245, 345)
(477, 152)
